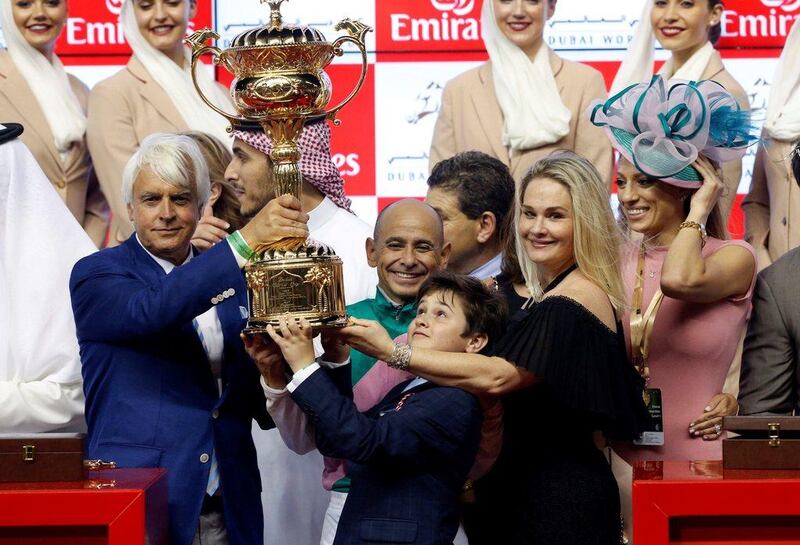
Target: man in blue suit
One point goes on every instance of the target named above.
(167, 381)
(408, 457)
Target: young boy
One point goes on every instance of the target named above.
(408, 456)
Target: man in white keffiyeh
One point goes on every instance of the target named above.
(153, 93)
(294, 503)
(772, 207)
(688, 30)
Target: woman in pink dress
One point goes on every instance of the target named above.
(689, 287)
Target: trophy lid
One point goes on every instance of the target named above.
(277, 33)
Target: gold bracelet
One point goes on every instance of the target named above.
(700, 229)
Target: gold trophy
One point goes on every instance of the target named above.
(280, 85)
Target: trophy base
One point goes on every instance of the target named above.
(304, 282)
(260, 326)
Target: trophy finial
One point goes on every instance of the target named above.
(275, 20)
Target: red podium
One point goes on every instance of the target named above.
(114, 507)
(700, 503)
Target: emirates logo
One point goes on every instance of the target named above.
(463, 7)
(114, 6)
(785, 5)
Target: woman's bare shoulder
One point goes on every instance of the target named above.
(591, 297)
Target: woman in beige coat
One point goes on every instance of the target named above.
(772, 208)
(36, 92)
(688, 30)
(526, 101)
(153, 93)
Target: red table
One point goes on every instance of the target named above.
(114, 507)
(700, 503)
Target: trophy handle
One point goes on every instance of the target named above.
(356, 33)
(197, 43)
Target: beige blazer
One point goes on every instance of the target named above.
(772, 207)
(72, 179)
(123, 110)
(732, 170)
(470, 119)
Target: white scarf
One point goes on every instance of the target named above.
(177, 82)
(637, 67)
(49, 83)
(783, 111)
(533, 112)
(40, 241)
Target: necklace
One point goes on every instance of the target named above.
(561, 276)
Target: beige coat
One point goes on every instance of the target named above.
(73, 179)
(732, 170)
(772, 208)
(123, 110)
(470, 119)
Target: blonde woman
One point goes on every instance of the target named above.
(688, 29)
(221, 215)
(526, 101)
(153, 93)
(37, 93)
(561, 368)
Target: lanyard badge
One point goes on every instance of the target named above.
(641, 333)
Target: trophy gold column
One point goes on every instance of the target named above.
(280, 85)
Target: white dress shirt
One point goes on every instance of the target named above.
(488, 269)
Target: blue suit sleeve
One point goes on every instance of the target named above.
(437, 423)
(112, 305)
(342, 378)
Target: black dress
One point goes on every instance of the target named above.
(506, 288)
(551, 485)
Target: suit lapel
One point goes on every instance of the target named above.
(152, 92)
(151, 272)
(488, 112)
(20, 96)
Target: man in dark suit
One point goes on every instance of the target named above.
(408, 457)
(167, 381)
(770, 378)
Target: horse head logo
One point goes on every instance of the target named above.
(427, 102)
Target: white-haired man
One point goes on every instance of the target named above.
(166, 378)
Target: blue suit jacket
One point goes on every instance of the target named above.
(408, 458)
(151, 398)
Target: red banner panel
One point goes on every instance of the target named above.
(93, 27)
(757, 23)
(428, 25)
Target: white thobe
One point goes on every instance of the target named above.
(294, 501)
(40, 380)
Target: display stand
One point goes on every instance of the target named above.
(700, 503)
(113, 507)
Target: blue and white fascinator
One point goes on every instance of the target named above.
(662, 126)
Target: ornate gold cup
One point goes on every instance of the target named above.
(280, 85)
